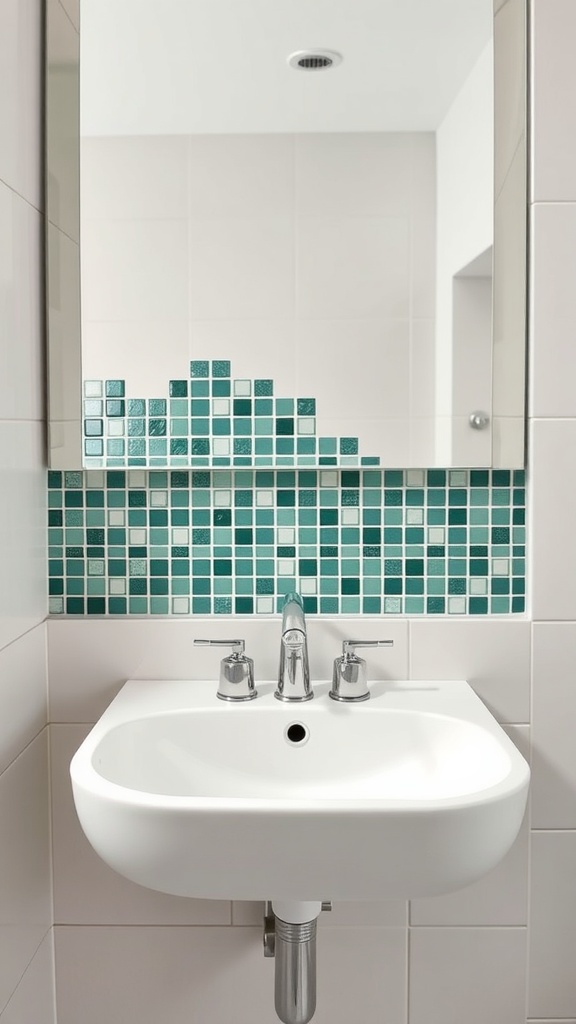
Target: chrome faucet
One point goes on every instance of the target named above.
(293, 673)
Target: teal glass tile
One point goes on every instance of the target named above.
(179, 446)
(93, 428)
(157, 407)
(114, 389)
(199, 368)
(156, 427)
(221, 368)
(115, 407)
(393, 574)
(306, 406)
(178, 388)
(220, 389)
(348, 446)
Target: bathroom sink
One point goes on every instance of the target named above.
(416, 792)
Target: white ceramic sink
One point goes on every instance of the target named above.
(415, 792)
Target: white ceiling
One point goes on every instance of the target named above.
(197, 66)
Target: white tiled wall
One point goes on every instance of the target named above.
(299, 258)
(26, 959)
(501, 951)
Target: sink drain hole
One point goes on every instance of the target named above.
(297, 733)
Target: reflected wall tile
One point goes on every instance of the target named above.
(354, 174)
(352, 268)
(330, 352)
(241, 268)
(134, 178)
(135, 270)
(241, 176)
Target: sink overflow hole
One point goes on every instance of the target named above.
(297, 733)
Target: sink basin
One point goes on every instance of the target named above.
(415, 792)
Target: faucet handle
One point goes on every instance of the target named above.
(350, 678)
(236, 671)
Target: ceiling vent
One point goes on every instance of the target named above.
(314, 60)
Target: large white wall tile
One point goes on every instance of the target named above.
(34, 1002)
(23, 693)
(554, 82)
(552, 981)
(135, 270)
(241, 268)
(86, 890)
(492, 655)
(467, 974)
(192, 975)
(20, 97)
(21, 309)
(23, 599)
(90, 660)
(329, 354)
(422, 371)
(553, 310)
(352, 268)
(354, 174)
(241, 176)
(134, 178)
(552, 539)
(553, 714)
(25, 899)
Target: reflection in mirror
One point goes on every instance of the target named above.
(292, 265)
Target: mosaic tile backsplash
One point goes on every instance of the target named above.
(352, 541)
(210, 419)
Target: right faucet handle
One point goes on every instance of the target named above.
(350, 678)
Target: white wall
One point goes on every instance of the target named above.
(26, 958)
(461, 957)
(307, 259)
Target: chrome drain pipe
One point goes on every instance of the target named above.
(295, 971)
(290, 937)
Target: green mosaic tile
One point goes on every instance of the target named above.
(237, 540)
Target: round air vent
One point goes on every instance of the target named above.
(314, 60)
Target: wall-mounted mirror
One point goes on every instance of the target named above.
(287, 233)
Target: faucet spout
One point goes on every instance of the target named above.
(294, 671)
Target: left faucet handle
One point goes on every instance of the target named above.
(236, 671)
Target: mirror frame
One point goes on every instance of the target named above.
(510, 247)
